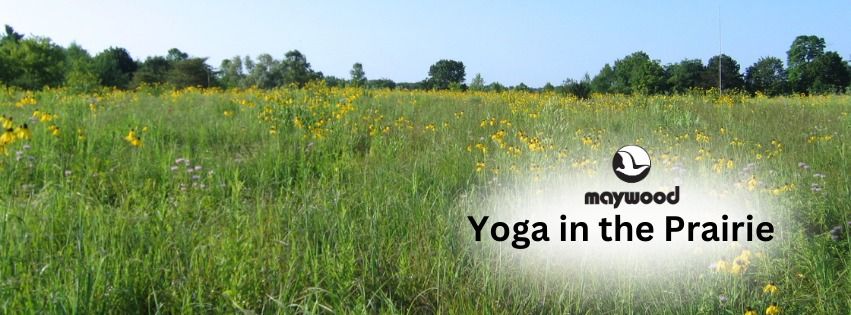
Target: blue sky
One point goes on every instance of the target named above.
(507, 41)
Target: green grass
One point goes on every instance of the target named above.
(348, 218)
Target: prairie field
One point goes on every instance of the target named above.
(350, 200)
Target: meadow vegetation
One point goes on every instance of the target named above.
(354, 200)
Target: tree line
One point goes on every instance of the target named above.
(36, 62)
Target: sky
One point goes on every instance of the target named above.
(533, 42)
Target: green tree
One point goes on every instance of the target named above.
(731, 77)
(80, 75)
(155, 70)
(767, 76)
(175, 55)
(604, 80)
(332, 81)
(478, 83)
(495, 87)
(8, 66)
(31, 63)
(381, 84)
(11, 35)
(521, 87)
(803, 51)
(358, 75)
(548, 87)
(829, 73)
(685, 75)
(115, 67)
(637, 74)
(232, 73)
(295, 69)
(445, 72)
(190, 72)
(264, 74)
(579, 89)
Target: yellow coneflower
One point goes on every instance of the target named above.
(770, 288)
(54, 130)
(133, 139)
(23, 132)
(773, 309)
(721, 266)
(752, 183)
(7, 137)
(480, 166)
(45, 117)
(7, 122)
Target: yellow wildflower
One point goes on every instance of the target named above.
(770, 288)
(773, 309)
(54, 130)
(480, 166)
(7, 122)
(133, 139)
(7, 137)
(721, 266)
(23, 132)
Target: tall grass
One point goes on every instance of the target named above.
(352, 201)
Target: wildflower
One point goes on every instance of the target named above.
(133, 139)
(228, 113)
(770, 288)
(750, 311)
(514, 150)
(723, 299)
(23, 132)
(480, 166)
(7, 137)
(27, 100)
(721, 266)
(54, 130)
(738, 269)
(803, 166)
(752, 183)
(773, 309)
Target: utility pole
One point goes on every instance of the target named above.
(720, 92)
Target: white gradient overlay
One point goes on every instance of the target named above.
(703, 198)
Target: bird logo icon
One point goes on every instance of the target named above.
(631, 163)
